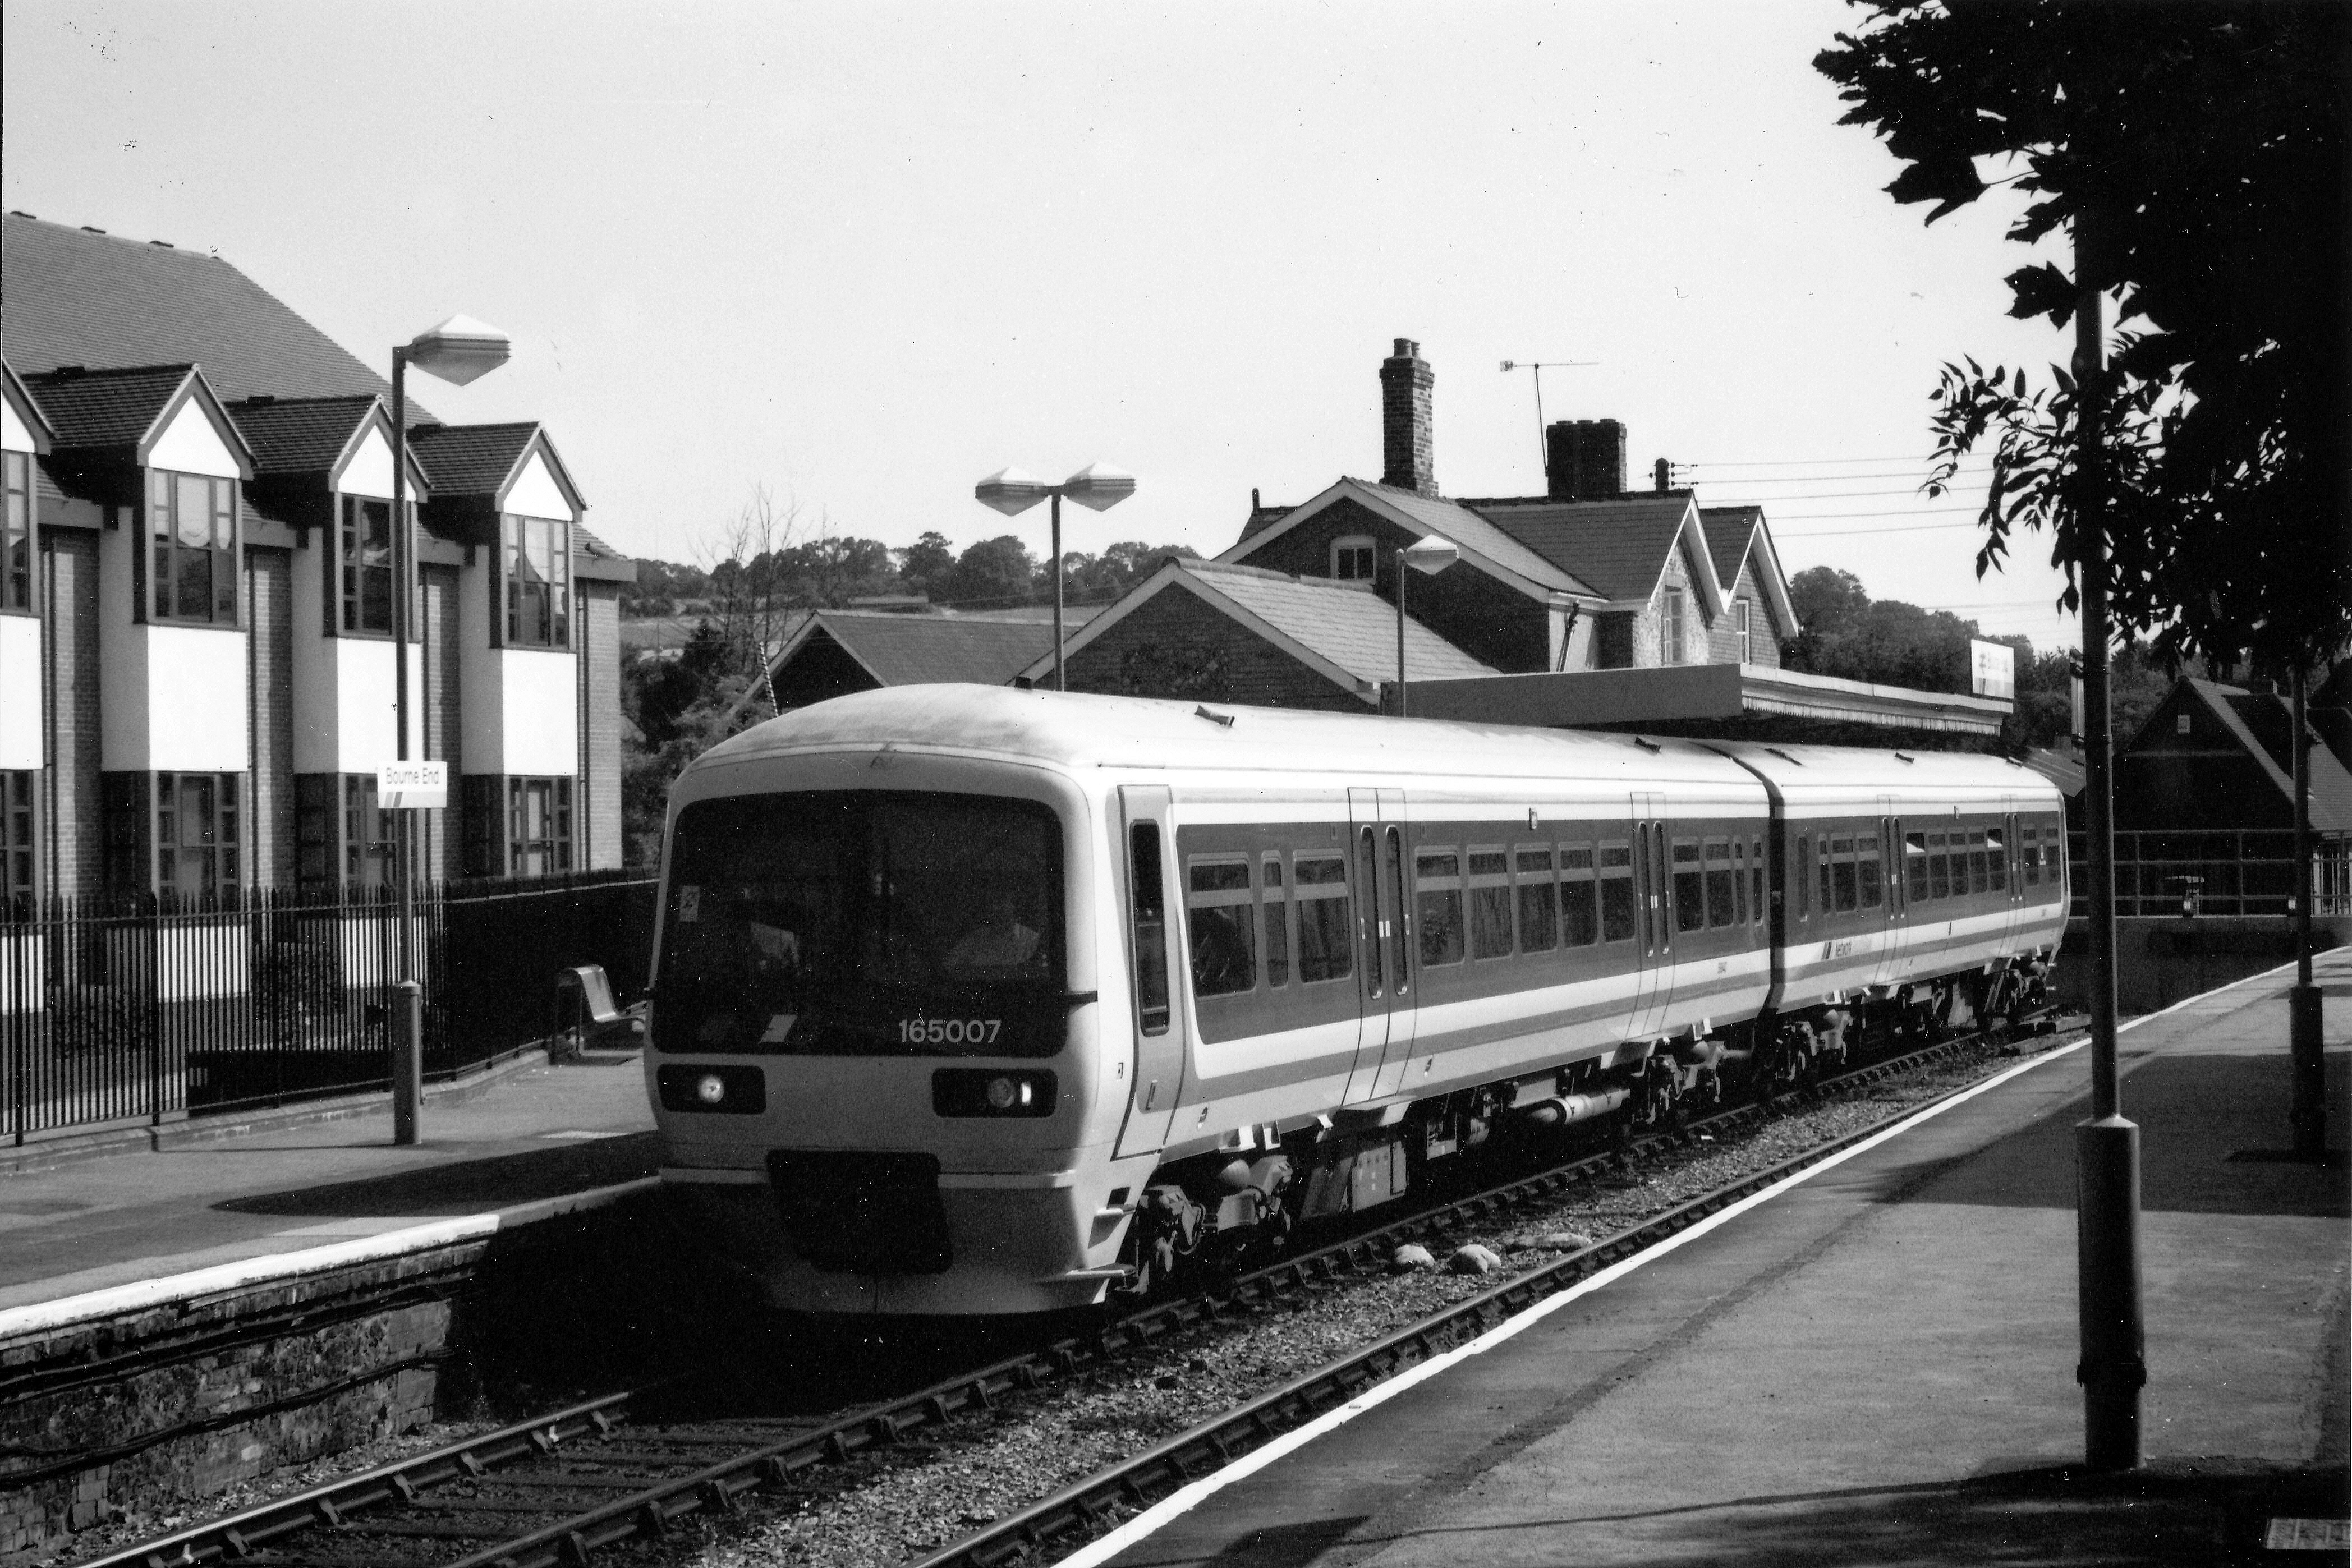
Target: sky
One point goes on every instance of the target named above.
(860, 255)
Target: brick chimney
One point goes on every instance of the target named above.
(1584, 459)
(1405, 418)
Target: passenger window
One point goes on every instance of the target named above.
(1221, 922)
(1979, 876)
(1997, 860)
(1278, 923)
(1368, 914)
(2029, 857)
(1915, 857)
(1437, 898)
(1827, 895)
(1867, 873)
(1318, 888)
(1617, 907)
(1842, 870)
(1739, 880)
(1579, 917)
(1490, 903)
(1939, 868)
(1756, 878)
(1539, 901)
(1801, 877)
(1690, 890)
(1397, 954)
(1151, 923)
(1722, 900)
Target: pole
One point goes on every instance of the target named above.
(2112, 1369)
(1543, 454)
(2308, 1106)
(1058, 590)
(1400, 577)
(407, 995)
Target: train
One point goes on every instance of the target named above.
(970, 1001)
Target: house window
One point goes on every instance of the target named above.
(366, 564)
(17, 534)
(367, 831)
(538, 826)
(1670, 627)
(192, 521)
(537, 557)
(1352, 559)
(1746, 642)
(20, 816)
(195, 833)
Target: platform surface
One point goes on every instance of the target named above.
(540, 1133)
(1877, 1366)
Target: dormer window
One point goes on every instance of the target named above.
(1747, 636)
(192, 523)
(17, 540)
(536, 567)
(1352, 559)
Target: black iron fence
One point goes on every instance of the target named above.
(2215, 872)
(144, 1010)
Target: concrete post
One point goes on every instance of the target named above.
(408, 1059)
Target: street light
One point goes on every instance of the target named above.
(1428, 556)
(458, 351)
(1098, 486)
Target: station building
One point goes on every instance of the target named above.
(197, 654)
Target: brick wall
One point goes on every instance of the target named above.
(1764, 632)
(269, 648)
(1175, 645)
(600, 661)
(69, 556)
(444, 835)
(1407, 417)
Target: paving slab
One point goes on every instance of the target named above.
(1877, 1365)
(542, 1133)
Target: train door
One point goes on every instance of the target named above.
(1154, 904)
(1654, 915)
(2003, 859)
(1384, 980)
(1896, 927)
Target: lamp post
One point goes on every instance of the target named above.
(1429, 557)
(1098, 486)
(459, 351)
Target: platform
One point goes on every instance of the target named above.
(540, 1139)
(1876, 1364)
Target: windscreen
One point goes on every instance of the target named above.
(857, 923)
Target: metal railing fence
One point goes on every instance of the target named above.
(2217, 872)
(117, 1011)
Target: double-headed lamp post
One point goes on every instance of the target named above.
(1096, 486)
(459, 349)
(1429, 556)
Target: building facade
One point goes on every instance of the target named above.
(197, 660)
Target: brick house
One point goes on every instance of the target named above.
(197, 662)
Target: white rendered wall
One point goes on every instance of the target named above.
(343, 687)
(14, 436)
(535, 493)
(190, 444)
(172, 698)
(20, 692)
(368, 472)
(518, 707)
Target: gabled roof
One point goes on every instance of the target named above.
(1341, 629)
(1620, 547)
(900, 650)
(78, 297)
(301, 435)
(29, 407)
(2263, 724)
(1482, 544)
(125, 410)
(1735, 534)
(482, 460)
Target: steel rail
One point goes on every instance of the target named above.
(886, 1422)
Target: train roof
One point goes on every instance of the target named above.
(1801, 769)
(1082, 731)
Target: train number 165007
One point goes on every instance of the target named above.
(948, 1031)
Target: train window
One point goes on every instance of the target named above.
(1222, 921)
(1828, 895)
(1580, 925)
(1739, 879)
(1690, 890)
(1842, 872)
(1437, 901)
(1539, 901)
(1368, 914)
(1617, 907)
(1866, 872)
(1756, 878)
(1150, 919)
(1801, 877)
(1979, 877)
(1319, 890)
(2029, 858)
(1939, 868)
(1398, 964)
(1997, 860)
(1278, 923)
(1915, 856)
(1490, 903)
(1722, 899)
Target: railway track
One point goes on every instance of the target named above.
(552, 1492)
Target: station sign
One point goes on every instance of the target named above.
(412, 786)
(1992, 669)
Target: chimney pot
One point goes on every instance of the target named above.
(1406, 420)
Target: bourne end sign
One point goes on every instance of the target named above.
(412, 786)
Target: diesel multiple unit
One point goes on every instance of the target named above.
(976, 1001)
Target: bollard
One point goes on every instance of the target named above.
(2308, 1109)
(408, 1059)
(2114, 1366)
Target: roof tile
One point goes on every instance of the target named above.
(1344, 622)
(106, 408)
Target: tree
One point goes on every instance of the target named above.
(993, 574)
(924, 565)
(1098, 579)
(2200, 149)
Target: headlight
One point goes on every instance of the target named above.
(999, 1091)
(728, 1090)
(710, 1089)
